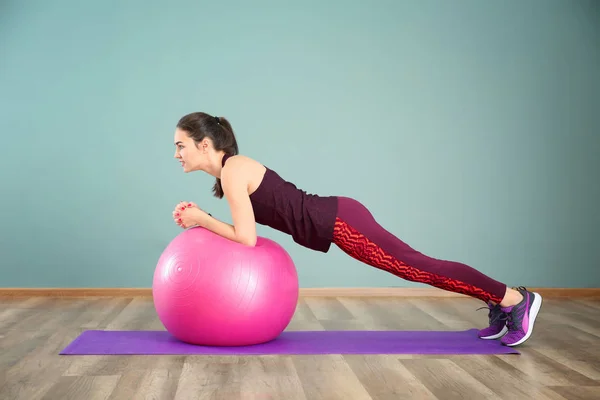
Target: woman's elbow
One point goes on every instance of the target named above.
(248, 241)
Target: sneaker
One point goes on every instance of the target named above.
(497, 327)
(521, 317)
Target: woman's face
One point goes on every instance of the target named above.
(187, 152)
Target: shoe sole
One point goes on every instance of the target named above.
(535, 309)
(497, 335)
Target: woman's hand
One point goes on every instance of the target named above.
(189, 214)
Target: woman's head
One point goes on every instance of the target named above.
(200, 141)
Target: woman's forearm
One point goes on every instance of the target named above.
(222, 229)
(219, 227)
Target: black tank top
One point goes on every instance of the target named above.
(308, 218)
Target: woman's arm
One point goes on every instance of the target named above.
(220, 228)
(234, 180)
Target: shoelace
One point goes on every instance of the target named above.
(496, 314)
(510, 323)
(501, 316)
(510, 320)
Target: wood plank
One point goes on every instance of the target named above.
(577, 392)
(82, 387)
(386, 378)
(329, 377)
(447, 380)
(494, 373)
(209, 377)
(269, 377)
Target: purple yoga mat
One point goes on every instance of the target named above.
(99, 342)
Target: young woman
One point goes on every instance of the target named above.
(257, 194)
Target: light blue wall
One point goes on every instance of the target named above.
(470, 128)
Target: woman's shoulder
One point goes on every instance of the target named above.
(240, 161)
(243, 166)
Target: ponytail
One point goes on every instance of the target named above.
(218, 189)
(229, 146)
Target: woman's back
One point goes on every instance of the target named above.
(279, 204)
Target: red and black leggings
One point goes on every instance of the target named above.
(358, 234)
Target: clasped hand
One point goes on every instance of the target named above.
(188, 214)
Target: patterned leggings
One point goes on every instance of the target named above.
(358, 234)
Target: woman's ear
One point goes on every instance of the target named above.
(204, 145)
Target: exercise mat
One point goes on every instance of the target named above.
(121, 342)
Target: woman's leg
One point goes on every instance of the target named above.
(358, 234)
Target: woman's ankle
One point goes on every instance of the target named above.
(512, 297)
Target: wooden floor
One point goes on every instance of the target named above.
(560, 361)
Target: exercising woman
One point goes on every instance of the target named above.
(257, 194)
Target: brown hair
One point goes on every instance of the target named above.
(199, 125)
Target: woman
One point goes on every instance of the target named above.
(257, 194)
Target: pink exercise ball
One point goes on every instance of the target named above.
(212, 291)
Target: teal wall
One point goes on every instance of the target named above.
(469, 128)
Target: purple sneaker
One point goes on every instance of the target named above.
(521, 317)
(497, 327)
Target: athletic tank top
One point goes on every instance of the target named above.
(308, 218)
